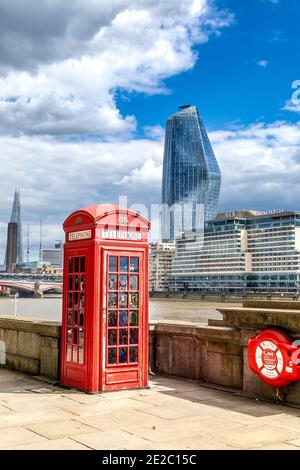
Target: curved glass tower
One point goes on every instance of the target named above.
(191, 174)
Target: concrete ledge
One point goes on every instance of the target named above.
(261, 318)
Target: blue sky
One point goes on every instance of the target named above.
(226, 83)
(86, 89)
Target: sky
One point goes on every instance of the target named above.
(86, 88)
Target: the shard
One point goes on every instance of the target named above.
(14, 236)
(191, 174)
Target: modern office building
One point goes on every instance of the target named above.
(191, 174)
(240, 251)
(53, 256)
(14, 247)
(160, 261)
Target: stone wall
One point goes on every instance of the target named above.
(211, 354)
(31, 346)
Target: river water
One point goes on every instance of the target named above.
(50, 309)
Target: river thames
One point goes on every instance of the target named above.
(50, 309)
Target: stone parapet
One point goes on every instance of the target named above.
(31, 346)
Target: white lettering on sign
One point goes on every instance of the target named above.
(83, 235)
(121, 235)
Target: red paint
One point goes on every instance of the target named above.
(274, 358)
(105, 300)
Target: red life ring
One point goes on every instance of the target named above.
(274, 358)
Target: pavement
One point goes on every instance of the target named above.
(173, 414)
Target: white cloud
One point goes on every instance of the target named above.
(71, 69)
(260, 166)
(263, 63)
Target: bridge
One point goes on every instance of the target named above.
(35, 283)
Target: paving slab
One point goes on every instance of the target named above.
(120, 420)
(60, 429)
(172, 414)
(55, 444)
(18, 435)
(246, 437)
(111, 440)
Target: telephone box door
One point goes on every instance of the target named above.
(124, 320)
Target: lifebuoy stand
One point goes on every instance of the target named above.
(274, 357)
(105, 300)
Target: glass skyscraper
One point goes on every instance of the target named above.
(191, 174)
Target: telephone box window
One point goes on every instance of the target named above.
(123, 309)
(133, 354)
(123, 355)
(124, 264)
(123, 319)
(123, 282)
(112, 356)
(134, 318)
(112, 318)
(113, 282)
(134, 282)
(113, 264)
(75, 309)
(134, 265)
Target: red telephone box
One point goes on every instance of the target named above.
(105, 300)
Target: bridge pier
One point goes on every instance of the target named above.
(38, 293)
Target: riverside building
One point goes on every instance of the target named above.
(240, 251)
(160, 260)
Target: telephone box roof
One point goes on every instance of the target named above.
(98, 211)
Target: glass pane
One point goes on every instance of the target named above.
(69, 321)
(69, 300)
(69, 352)
(112, 356)
(81, 356)
(81, 318)
(112, 337)
(124, 264)
(70, 282)
(69, 336)
(133, 338)
(112, 300)
(82, 264)
(133, 354)
(123, 282)
(113, 264)
(81, 337)
(75, 336)
(134, 300)
(123, 336)
(123, 318)
(113, 282)
(112, 318)
(75, 317)
(123, 300)
(134, 318)
(82, 300)
(134, 282)
(76, 282)
(70, 265)
(74, 353)
(76, 300)
(134, 265)
(76, 264)
(123, 355)
(82, 282)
